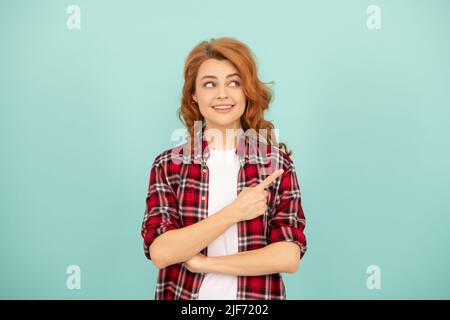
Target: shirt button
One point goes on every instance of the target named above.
(203, 198)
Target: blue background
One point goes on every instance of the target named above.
(84, 113)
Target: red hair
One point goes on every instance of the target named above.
(257, 93)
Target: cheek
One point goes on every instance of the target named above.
(206, 103)
(204, 100)
(204, 109)
(239, 96)
(240, 111)
(241, 101)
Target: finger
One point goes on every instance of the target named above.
(270, 179)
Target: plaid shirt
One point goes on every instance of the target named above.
(178, 197)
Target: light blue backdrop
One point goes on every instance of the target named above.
(84, 113)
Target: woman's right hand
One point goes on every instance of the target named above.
(252, 201)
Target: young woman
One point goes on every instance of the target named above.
(225, 222)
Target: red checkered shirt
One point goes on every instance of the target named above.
(178, 197)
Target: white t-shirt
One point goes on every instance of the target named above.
(223, 168)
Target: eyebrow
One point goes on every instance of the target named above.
(214, 77)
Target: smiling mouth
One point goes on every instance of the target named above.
(223, 106)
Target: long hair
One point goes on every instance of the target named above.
(257, 93)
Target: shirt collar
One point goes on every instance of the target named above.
(241, 150)
(247, 146)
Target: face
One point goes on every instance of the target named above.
(219, 94)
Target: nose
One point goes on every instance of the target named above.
(222, 93)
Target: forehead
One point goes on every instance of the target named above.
(218, 68)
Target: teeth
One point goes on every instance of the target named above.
(222, 107)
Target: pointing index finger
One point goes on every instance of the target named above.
(270, 179)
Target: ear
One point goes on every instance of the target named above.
(194, 97)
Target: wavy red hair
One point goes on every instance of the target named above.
(257, 93)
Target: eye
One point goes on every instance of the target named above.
(210, 82)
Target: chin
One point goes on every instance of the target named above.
(224, 122)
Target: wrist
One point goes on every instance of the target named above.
(208, 264)
(230, 214)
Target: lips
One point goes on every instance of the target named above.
(223, 107)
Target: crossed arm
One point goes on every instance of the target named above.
(186, 243)
(282, 256)
(162, 231)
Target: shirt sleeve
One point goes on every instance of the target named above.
(288, 221)
(161, 214)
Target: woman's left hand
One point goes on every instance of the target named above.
(197, 263)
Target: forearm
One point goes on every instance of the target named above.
(275, 258)
(176, 246)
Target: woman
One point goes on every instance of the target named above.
(221, 221)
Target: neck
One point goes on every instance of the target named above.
(221, 138)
